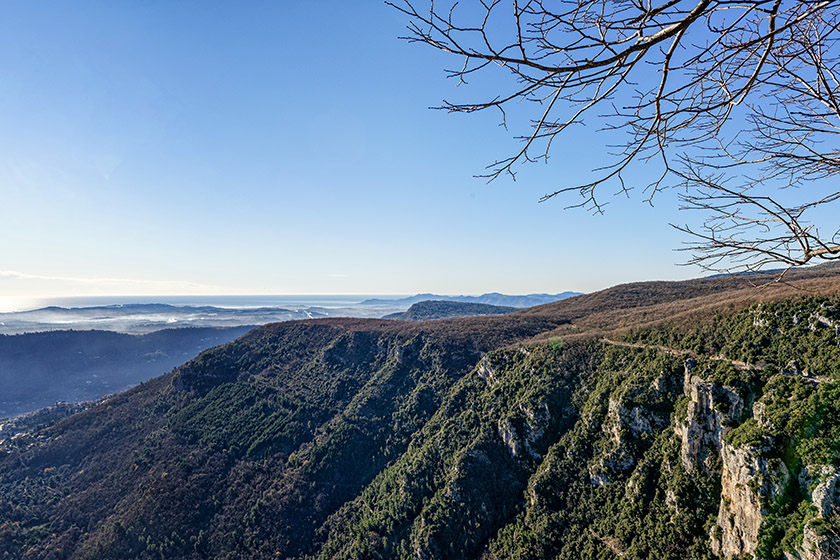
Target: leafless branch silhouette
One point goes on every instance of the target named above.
(736, 102)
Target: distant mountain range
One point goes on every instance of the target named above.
(493, 298)
(141, 318)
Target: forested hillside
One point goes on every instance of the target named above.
(38, 369)
(435, 309)
(658, 420)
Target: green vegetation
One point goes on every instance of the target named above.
(448, 439)
(437, 309)
(40, 369)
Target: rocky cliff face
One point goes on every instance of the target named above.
(750, 483)
(521, 432)
(753, 477)
(822, 482)
(635, 413)
(712, 409)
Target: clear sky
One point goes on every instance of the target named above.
(157, 147)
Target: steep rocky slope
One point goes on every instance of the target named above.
(660, 420)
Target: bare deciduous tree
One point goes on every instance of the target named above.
(737, 102)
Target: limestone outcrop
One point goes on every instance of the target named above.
(521, 433)
(712, 408)
(750, 483)
(825, 496)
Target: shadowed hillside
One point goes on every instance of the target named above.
(38, 369)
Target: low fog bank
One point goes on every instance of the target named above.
(149, 317)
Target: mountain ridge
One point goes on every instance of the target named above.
(491, 298)
(522, 435)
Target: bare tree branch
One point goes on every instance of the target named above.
(737, 102)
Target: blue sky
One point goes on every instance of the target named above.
(278, 147)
